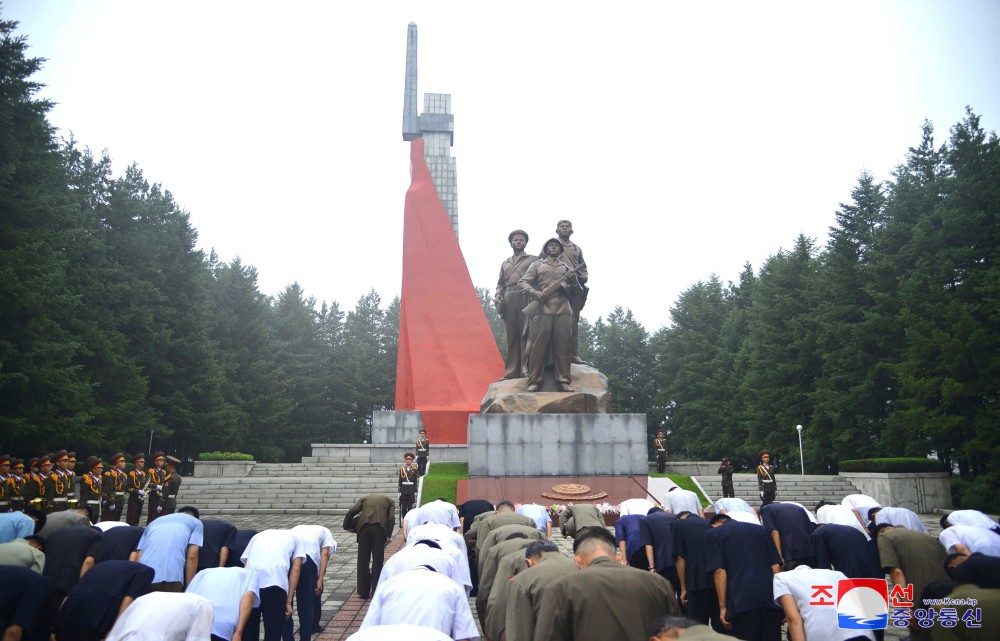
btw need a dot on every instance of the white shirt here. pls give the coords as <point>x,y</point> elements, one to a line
<point>225,588</point>
<point>820,621</point>
<point>412,556</point>
<point>841,515</point>
<point>104,526</point>
<point>812,517</point>
<point>730,505</point>
<point>439,511</point>
<point>314,538</point>
<point>165,616</point>
<point>425,598</point>
<point>972,517</point>
<point>975,538</point>
<point>679,500</point>
<point>440,534</point>
<point>400,631</point>
<point>896,516</point>
<point>744,517</point>
<point>271,553</point>
<point>538,513</point>
<point>860,502</point>
<point>637,506</point>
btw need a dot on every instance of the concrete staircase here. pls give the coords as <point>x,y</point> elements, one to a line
<point>807,490</point>
<point>290,488</point>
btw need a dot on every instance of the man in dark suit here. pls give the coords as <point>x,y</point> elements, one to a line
<point>372,518</point>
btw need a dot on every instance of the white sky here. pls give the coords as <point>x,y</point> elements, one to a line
<point>681,138</point>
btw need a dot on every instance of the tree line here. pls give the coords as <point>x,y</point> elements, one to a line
<point>881,342</point>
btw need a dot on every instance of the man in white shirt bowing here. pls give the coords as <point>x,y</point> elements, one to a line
<point>277,556</point>
<point>424,597</point>
<point>319,545</point>
<point>234,593</point>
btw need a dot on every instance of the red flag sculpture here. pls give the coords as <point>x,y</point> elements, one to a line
<point>447,354</point>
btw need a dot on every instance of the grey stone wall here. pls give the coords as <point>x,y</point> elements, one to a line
<point>557,444</point>
<point>921,492</point>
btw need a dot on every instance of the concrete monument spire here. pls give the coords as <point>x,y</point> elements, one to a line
<point>411,119</point>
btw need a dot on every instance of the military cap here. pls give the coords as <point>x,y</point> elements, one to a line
<point>44,460</point>
<point>4,459</point>
<point>60,455</point>
<point>33,462</point>
<point>141,456</point>
<point>157,455</point>
<point>18,463</point>
<point>763,452</point>
<point>173,460</point>
<point>553,240</point>
<point>118,456</point>
<point>510,236</point>
<point>92,462</point>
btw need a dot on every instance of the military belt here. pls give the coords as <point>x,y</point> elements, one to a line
<point>119,493</point>
<point>60,499</point>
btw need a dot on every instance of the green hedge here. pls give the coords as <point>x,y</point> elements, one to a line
<point>893,465</point>
<point>225,456</point>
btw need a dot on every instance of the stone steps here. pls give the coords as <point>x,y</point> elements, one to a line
<point>807,490</point>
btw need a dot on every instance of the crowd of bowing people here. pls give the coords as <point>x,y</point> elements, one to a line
<point>668,570</point>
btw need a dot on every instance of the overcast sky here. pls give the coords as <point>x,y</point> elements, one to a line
<point>681,138</point>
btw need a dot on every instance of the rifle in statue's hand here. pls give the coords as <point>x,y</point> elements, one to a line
<point>534,306</point>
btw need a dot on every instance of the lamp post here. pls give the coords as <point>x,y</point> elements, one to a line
<point>802,460</point>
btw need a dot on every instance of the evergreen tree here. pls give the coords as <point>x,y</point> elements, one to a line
<point>621,354</point>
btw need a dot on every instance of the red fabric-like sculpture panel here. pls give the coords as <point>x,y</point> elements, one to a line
<point>447,354</point>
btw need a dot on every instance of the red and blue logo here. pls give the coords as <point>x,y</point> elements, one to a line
<point>862,604</point>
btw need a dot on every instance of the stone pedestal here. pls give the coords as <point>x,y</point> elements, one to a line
<point>396,427</point>
<point>557,445</point>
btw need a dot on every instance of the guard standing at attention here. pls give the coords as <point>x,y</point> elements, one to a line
<point>171,485</point>
<point>157,477</point>
<point>660,447</point>
<point>44,495</point>
<point>18,485</point>
<point>726,470</point>
<point>113,489</point>
<point>135,485</point>
<point>59,484</point>
<point>423,452</point>
<point>33,485</point>
<point>5,485</point>
<point>407,487</point>
<point>766,484</point>
<point>90,488</point>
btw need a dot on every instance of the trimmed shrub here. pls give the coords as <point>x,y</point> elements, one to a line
<point>225,456</point>
<point>890,465</point>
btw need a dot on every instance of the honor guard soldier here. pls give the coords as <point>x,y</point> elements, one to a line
<point>171,485</point>
<point>19,486</point>
<point>135,486</point>
<point>660,447</point>
<point>59,484</point>
<point>44,496</point>
<point>767,486</point>
<point>423,452</point>
<point>113,489</point>
<point>33,485</point>
<point>6,487</point>
<point>408,475</point>
<point>90,488</point>
<point>157,477</point>
<point>73,481</point>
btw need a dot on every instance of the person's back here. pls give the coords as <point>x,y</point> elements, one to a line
<point>95,601</point>
<point>635,506</point>
<point>576,517</point>
<point>680,500</point>
<point>970,538</point>
<point>604,600</point>
<point>437,511</point>
<point>525,594</point>
<point>919,556</point>
<point>901,517</point>
<point>795,591</point>
<point>161,616</point>
<point>166,544</point>
<point>120,543</point>
<point>218,539</point>
<point>227,588</point>
<point>67,551</point>
<point>728,505</point>
<point>793,526</point>
<point>847,550</point>
<point>628,537</point>
<point>422,597</point>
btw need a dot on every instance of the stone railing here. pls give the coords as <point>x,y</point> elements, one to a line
<point>210,469</point>
<point>922,492</point>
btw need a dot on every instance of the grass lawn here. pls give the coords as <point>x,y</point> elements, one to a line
<point>442,481</point>
<point>684,482</point>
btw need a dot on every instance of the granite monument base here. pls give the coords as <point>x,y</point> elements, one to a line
<point>557,445</point>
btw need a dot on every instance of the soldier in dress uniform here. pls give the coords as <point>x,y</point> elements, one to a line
<point>767,486</point>
<point>73,480</point>
<point>171,485</point>
<point>157,477</point>
<point>423,452</point>
<point>41,495</point>
<point>660,447</point>
<point>113,489</point>
<point>135,485</point>
<point>90,488</point>
<point>18,485</point>
<point>5,486</point>
<point>59,484</point>
<point>407,487</point>
<point>32,485</point>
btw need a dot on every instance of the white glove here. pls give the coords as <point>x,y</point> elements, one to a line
<point>142,492</point>
<point>159,488</point>
<point>762,494</point>
<point>159,510</point>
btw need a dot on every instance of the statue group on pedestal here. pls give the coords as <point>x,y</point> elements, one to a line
<point>540,298</point>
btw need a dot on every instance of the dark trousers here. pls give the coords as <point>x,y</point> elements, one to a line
<point>151,513</point>
<point>768,498</point>
<point>371,550</point>
<point>406,502</point>
<point>272,611</point>
<point>134,511</point>
<point>79,633</point>
<point>727,491</point>
<point>703,605</point>
<point>422,465</point>
<point>305,601</point>
<point>113,510</point>
<point>762,624</point>
<point>661,462</point>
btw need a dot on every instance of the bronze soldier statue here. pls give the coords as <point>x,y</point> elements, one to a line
<point>510,301</point>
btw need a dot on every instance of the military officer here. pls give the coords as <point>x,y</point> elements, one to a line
<point>43,496</point>
<point>33,485</point>
<point>660,447</point>
<point>90,488</point>
<point>6,488</point>
<point>18,486</point>
<point>407,485</point>
<point>171,485</point>
<point>113,489</point>
<point>157,477</point>
<point>59,483</point>
<point>423,452</point>
<point>70,470</point>
<point>135,486</point>
<point>767,486</point>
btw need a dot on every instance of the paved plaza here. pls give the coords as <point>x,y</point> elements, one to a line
<point>343,611</point>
